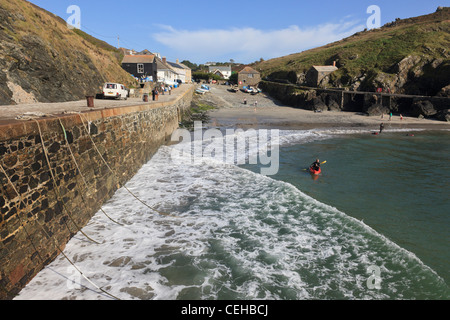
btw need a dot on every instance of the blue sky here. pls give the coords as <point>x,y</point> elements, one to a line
<point>245,31</point>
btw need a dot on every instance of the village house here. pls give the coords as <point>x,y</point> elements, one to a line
<point>184,73</point>
<point>141,66</point>
<point>317,73</point>
<point>248,77</point>
<point>222,71</point>
<point>165,74</point>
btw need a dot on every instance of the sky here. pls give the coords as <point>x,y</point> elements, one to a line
<point>221,31</point>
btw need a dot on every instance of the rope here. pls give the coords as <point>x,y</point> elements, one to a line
<point>116,177</point>
<point>22,219</point>
<point>79,171</point>
<point>54,242</point>
<point>57,188</point>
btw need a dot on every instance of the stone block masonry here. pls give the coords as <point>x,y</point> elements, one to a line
<point>40,210</point>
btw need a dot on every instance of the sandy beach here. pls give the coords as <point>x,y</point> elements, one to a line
<point>261,111</point>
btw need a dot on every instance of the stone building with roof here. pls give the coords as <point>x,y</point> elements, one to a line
<point>248,77</point>
<point>316,74</point>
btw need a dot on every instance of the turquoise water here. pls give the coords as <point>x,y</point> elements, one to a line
<point>374,225</point>
<point>396,183</point>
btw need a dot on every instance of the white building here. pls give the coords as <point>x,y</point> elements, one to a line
<point>165,73</point>
<point>221,71</point>
<point>183,72</point>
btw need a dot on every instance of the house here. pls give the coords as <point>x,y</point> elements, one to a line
<point>183,72</point>
<point>141,66</point>
<point>222,71</point>
<point>165,73</point>
<point>187,72</point>
<point>248,77</point>
<point>316,74</point>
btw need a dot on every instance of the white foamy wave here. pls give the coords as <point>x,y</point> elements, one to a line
<point>232,234</point>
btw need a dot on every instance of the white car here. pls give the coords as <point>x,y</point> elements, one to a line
<point>115,90</point>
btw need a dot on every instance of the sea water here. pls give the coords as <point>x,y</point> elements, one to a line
<point>373,225</point>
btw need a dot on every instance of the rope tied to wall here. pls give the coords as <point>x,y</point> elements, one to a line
<point>79,171</point>
<point>115,175</point>
<point>52,239</point>
<point>58,194</point>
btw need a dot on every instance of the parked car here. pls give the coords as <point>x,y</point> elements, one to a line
<point>115,90</point>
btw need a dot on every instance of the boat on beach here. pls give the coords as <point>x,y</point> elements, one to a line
<point>203,89</point>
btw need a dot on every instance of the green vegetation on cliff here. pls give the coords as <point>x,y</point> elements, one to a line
<point>405,56</point>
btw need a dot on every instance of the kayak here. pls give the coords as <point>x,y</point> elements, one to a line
<point>312,171</point>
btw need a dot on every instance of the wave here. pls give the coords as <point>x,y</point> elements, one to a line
<point>232,234</point>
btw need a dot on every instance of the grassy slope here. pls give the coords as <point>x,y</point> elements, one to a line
<point>373,51</point>
<point>65,42</point>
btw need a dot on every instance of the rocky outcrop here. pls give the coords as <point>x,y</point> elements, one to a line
<point>42,60</point>
<point>415,75</point>
<point>443,115</point>
<point>423,108</point>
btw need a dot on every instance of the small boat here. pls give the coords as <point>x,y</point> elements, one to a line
<point>234,89</point>
<point>200,91</point>
<point>315,172</point>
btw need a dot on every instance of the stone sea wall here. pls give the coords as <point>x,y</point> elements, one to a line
<point>370,103</point>
<point>91,155</point>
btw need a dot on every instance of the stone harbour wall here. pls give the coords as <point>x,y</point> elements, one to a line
<point>41,211</point>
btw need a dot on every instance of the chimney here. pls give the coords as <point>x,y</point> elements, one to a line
<point>334,63</point>
<point>164,59</point>
<point>178,61</point>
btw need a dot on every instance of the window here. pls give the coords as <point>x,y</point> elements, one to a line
<point>250,75</point>
<point>140,68</point>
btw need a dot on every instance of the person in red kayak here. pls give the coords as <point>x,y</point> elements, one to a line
<point>315,165</point>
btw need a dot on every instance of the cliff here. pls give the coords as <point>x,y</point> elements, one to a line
<point>407,56</point>
<point>42,60</point>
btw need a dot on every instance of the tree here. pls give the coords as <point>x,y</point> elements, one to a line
<point>234,77</point>
<point>192,66</point>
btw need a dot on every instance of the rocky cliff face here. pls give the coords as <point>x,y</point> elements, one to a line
<point>414,75</point>
<point>42,60</point>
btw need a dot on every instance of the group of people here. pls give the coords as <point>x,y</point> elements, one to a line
<point>157,90</point>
